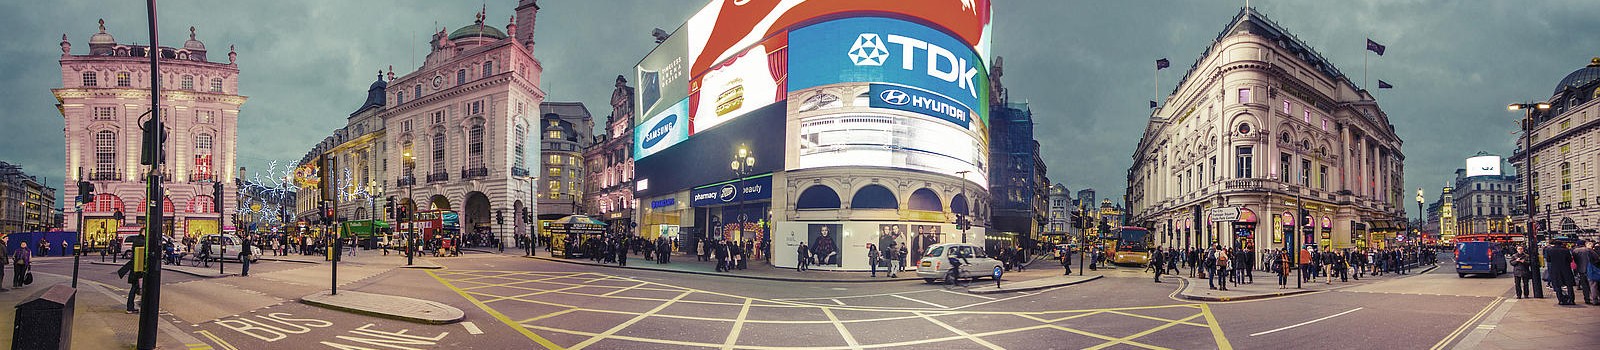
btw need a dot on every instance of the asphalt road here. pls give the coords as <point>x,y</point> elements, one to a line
<point>513,302</point>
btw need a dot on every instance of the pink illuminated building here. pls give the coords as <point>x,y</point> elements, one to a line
<point>103,98</point>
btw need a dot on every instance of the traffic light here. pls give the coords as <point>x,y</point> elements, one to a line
<point>216,196</point>
<point>154,136</point>
<point>499,217</point>
<point>85,192</point>
<point>388,208</point>
<point>961,222</point>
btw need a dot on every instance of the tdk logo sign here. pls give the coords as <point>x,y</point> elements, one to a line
<point>868,50</point>
<point>895,97</point>
<point>660,130</point>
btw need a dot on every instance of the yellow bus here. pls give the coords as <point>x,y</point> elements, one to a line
<point>1133,247</point>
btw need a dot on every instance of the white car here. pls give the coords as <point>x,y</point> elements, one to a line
<point>229,245</point>
<point>974,263</point>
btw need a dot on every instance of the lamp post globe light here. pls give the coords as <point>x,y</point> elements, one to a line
<point>1527,186</point>
<point>743,161</point>
<point>1421,215</point>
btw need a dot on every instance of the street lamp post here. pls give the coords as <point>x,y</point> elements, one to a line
<point>532,224</point>
<point>742,162</point>
<point>1527,186</point>
<point>411,226</point>
<point>964,227</point>
<point>1421,216</point>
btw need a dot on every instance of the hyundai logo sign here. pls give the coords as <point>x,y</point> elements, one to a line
<point>894,97</point>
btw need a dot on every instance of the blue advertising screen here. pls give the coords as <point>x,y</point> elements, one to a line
<point>662,130</point>
<point>884,50</point>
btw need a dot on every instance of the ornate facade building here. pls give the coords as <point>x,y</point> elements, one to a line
<point>352,164</point>
<point>1563,157</point>
<point>104,97</point>
<point>610,163</point>
<point>26,204</point>
<point>461,124</point>
<point>1484,203</point>
<point>566,132</point>
<point>1260,127</point>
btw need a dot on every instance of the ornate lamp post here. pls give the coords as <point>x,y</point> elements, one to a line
<point>743,161</point>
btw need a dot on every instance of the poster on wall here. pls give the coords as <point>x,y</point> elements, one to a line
<point>824,243</point>
<point>923,64</point>
<point>893,236</point>
<point>663,76</point>
<point>924,236</point>
<point>749,81</point>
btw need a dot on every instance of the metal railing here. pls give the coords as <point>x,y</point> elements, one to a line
<point>439,177</point>
<point>113,175</point>
<point>473,173</point>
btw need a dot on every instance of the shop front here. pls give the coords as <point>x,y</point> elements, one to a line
<point>735,211</point>
<point>1244,229</point>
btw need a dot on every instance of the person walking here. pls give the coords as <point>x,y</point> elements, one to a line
<point>802,257</point>
<point>245,251</point>
<point>1066,261</point>
<point>622,255</point>
<point>1585,258</point>
<point>721,253</point>
<point>4,258</point>
<point>21,260</point>
<point>872,258</point>
<point>1158,260</point>
<point>1282,267</point>
<point>1560,268</point>
<point>1521,276</point>
<point>897,258</point>
<point>1222,268</point>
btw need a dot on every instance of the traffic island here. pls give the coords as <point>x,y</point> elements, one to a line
<point>989,287</point>
<point>387,306</point>
<point>755,270</point>
<point>197,271</point>
<point>1194,289</point>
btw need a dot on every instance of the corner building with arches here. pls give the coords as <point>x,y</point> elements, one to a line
<point>104,95</point>
<point>1261,126</point>
<point>838,125</point>
<point>458,128</point>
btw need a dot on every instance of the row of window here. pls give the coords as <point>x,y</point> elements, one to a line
<point>123,79</point>
<point>105,154</point>
<point>461,78</point>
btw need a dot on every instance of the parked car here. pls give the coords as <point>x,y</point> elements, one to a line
<point>229,245</point>
<point>974,263</point>
<point>1480,258</point>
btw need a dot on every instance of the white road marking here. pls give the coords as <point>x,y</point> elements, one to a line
<point>967,294</point>
<point>472,328</point>
<point>1307,322</point>
<point>836,301</point>
<point>924,302</point>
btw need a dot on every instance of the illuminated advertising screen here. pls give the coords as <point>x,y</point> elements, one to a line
<point>751,80</point>
<point>662,130</point>
<point>662,77</point>
<point>1483,165</point>
<point>873,49</point>
<point>724,28</point>
<point>841,125</point>
<point>704,157</point>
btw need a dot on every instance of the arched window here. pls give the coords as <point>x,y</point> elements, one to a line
<point>123,80</point>
<point>817,197</point>
<point>519,148</point>
<point>400,97</point>
<point>925,199</point>
<point>874,197</point>
<point>105,155</point>
<point>488,68</point>
<point>475,146</point>
<point>90,79</point>
<point>958,204</point>
<point>438,153</point>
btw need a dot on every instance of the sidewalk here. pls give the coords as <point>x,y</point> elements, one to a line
<point>1534,324</point>
<point>755,270</point>
<point>1266,286</point>
<point>99,321</point>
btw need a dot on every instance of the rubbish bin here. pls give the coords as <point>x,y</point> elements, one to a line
<point>44,321</point>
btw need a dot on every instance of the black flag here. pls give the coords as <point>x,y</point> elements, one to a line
<point>1163,64</point>
<point>1384,84</point>
<point>1374,47</point>
<point>1152,104</point>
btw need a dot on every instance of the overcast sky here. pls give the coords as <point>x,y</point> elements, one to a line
<point>1083,66</point>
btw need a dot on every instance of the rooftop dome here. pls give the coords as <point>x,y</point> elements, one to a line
<point>477,30</point>
<point>192,44</point>
<point>102,37</point>
<point>1581,77</point>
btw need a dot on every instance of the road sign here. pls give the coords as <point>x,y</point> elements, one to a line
<point>1228,214</point>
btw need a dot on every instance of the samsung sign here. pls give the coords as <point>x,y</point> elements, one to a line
<point>883,50</point>
<point>662,130</point>
<point>732,192</point>
<point>921,102</point>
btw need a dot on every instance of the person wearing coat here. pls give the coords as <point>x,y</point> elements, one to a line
<point>1521,276</point>
<point>872,258</point>
<point>4,258</point>
<point>1561,274</point>
<point>1586,257</point>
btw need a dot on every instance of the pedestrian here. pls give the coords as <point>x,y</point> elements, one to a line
<point>1282,268</point>
<point>872,258</point>
<point>1222,268</point>
<point>721,252</point>
<point>1158,260</point>
<point>1585,258</point>
<point>4,258</point>
<point>1521,276</point>
<point>622,256</point>
<point>1561,274</point>
<point>245,251</point>
<point>1340,267</point>
<point>897,259</point>
<point>700,250</point>
<point>744,253</point>
<point>802,257</point>
<point>20,260</point>
<point>1066,261</point>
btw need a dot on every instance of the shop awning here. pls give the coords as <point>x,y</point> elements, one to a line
<point>1382,225</point>
<point>1246,216</point>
